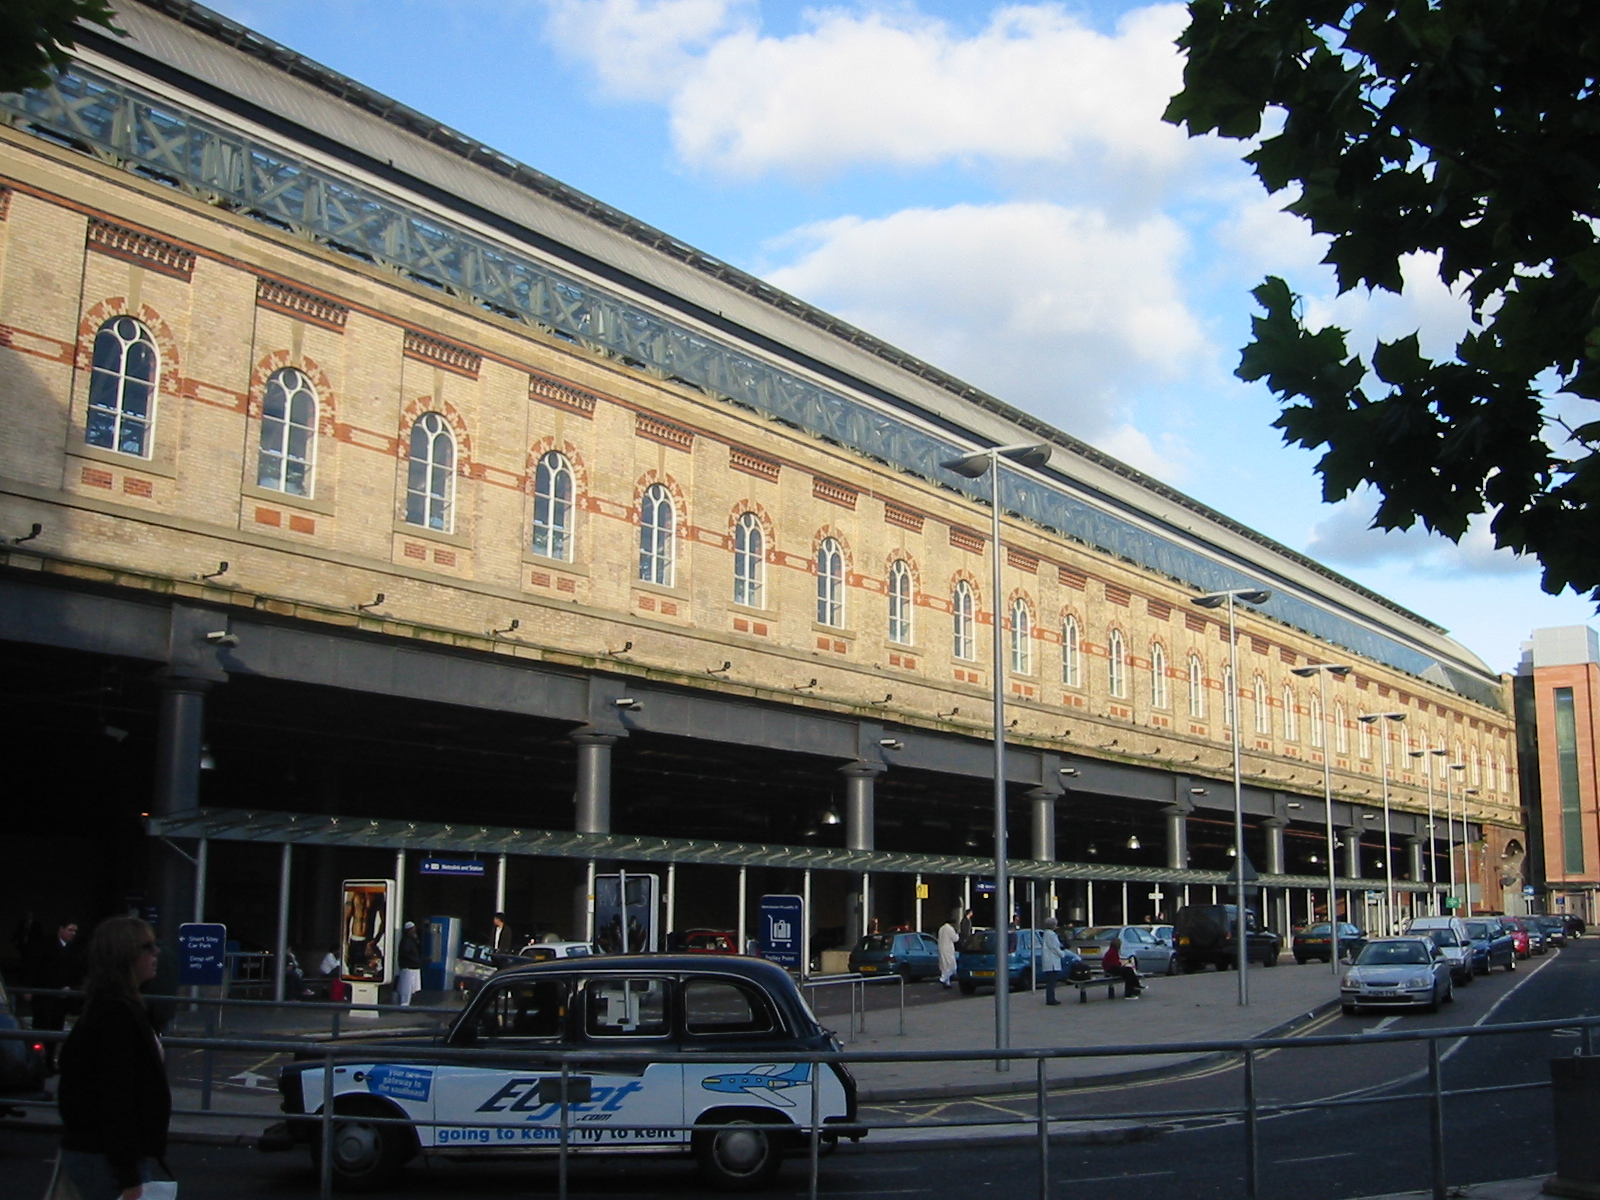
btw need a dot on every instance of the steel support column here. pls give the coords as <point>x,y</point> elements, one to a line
<point>180,737</point>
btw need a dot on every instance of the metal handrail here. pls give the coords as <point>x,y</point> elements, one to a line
<point>1249,1049</point>
<point>857,978</point>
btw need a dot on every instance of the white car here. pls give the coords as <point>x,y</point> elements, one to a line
<point>738,1107</point>
<point>1450,935</point>
<point>1400,972</point>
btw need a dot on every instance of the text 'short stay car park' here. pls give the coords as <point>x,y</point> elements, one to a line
<point>739,1110</point>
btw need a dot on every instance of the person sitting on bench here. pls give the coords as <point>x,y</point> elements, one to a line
<point>1111,963</point>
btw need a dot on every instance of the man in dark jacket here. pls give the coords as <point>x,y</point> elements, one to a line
<point>55,965</point>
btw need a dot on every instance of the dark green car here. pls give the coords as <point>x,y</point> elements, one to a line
<point>909,955</point>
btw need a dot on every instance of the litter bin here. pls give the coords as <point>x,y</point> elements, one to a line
<point>1575,1091</point>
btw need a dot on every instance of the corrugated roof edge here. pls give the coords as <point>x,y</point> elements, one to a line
<point>248,41</point>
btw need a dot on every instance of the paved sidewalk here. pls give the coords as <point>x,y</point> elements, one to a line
<point>1503,1189</point>
<point>1179,1008</point>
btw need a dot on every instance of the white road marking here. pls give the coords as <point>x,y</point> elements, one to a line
<point>1110,1178</point>
<point>250,1079</point>
<point>1381,1025</point>
<point>1284,1162</point>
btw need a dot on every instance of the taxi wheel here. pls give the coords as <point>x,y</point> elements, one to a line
<point>366,1155</point>
<point>740,1156</point>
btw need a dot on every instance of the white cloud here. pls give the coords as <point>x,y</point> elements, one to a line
<point>893,87</point>
<point>1057,310</point>
<point>1168,462</point>
<point>643,49</point>
<point>1346,539</point>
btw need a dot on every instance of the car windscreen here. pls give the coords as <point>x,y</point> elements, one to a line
<point>1100,933</point>
<point>1318,930</point>
<point>1385,954</point>
<point>982,942</point>
<point>874,941</point>
<point>1480,929</point>
<point>1443,937</point>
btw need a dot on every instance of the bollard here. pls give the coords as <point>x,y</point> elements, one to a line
<point>1575,1092</point>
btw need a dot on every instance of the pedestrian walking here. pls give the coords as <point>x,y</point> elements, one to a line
<point>55,966</point>
<point>1050,952</point>
<point>114,1100</point>
<point>410,979</point>
<point>947,953</point>
<point>1111,963</point>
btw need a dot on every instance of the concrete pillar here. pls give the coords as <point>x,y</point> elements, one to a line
<point>859,787</point>
<point>1413,845</point>
<point>1044,823</point>
<point>1276,900</point>
<point>593,795</point>
<point>1352,851</point>
<point>1177,835</point>
<point>180,734</point>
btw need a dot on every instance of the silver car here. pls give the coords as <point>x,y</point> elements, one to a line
<point>1398,972</point>
<point>1140,947</point>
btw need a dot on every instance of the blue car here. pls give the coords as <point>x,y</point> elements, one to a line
<point>975,959</point>
<point>909,955</point>
<point>1492,945</point>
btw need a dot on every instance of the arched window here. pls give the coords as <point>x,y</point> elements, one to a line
<point>962,616</point>
<point>1459,757</point>
<point>1424,762</point>
<point>1291,718</point>
<point>1263,707</point>
<point>1363,737</point>
<point>1314,721</point>
<point>1230,697</point>
<point>830,583</point>
<point>657,535</point>
<point>431,481</point>
<point>122,388</point>
<point>900,602</point>
<point>1341,728</point>
<point>1021,637</point>
<point>749,560</point>
<point>1071,653</point>
<point>1405,745</point>
<point>1116,665</point>
<point>287,461</point>
<point>1477,768</point>
<point>1497,779</point>
<point>1197,687</point>
<point>1158,675</point>
<point>553,490</point>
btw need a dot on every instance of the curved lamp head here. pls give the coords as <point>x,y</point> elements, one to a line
<point>1025,454</point>
<point>1243,595</point>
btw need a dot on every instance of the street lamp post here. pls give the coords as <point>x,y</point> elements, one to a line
<point>1388,839</point>
<point>1251,595</point>
<point>1433,865</point>
<point>1466,846</point>
<point>974,466</point>
<point>1450,826</point>
<point>1322,671</point>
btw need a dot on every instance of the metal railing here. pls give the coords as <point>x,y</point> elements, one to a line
<point>858,996</point>
<point>567,1065</point>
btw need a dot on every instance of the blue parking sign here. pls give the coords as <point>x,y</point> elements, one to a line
<point>783,926</point>
<point>202,954</point>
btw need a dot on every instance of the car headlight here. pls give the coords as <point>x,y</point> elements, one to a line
<point>1418,981</point>
<point>1349,981</point>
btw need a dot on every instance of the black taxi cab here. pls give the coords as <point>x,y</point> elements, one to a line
<point>738,1106</point>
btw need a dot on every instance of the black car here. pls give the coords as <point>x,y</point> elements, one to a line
<point>1576,926</point>
<point>1204,935</point>
<point>1553,928</point>
<point>744,1100</point>
<point>1312,942</point>
<point>21,1059</point>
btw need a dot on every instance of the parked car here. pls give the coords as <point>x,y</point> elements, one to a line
<point>21,1059</point>
<point>909,955</point>
<point>1492,945</point>
<point>744,1102</point>
<point>1162,933</point>
<point>975,959</point>
<point>1313,942</point>
<point>1450,935</point>
<point>1576,925</point>
<point>1553,928</point>
<point>703,941</point>
<point>1519,935</point>
<point>1205,936</point>
<point>1399,972</point>
<point>537,952</point>
<point>1140,947</point>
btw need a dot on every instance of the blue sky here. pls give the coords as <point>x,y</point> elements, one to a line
<point>988,186</point>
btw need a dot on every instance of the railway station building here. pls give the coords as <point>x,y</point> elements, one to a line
<point>368,496</point>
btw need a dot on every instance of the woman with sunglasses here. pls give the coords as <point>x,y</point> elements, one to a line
<point>115,1102</point>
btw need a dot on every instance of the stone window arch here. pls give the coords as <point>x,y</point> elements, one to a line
<point>431,474</point>
<point>122,388</point>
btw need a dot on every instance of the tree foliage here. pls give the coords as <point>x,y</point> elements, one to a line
<point>1466,129</point>
<point>35,35</point>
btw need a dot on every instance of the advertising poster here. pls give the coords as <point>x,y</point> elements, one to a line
<point>368,942</point>
<point>629,928</point>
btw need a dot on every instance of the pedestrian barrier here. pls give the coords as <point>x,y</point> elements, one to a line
<point>1249,1111</point>
<point>858,996</point>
